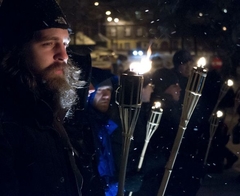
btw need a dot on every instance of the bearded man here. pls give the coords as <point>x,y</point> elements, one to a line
<point>37,84</point>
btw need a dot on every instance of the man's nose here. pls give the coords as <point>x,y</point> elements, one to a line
<point>61,53</point>
<point>106,95</point>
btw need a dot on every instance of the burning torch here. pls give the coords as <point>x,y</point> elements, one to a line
<point>152,125</point>
<point>192,94</point>
<point>213,127</point>
<point>129,103</point>
<point>224,89</point>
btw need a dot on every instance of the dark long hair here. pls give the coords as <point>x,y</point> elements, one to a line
<point>15,71</point>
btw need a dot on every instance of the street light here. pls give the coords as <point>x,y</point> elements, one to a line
<point>108,13</point>
<point>109,19</point>
<point>96,3</point>
<point>116,20</point>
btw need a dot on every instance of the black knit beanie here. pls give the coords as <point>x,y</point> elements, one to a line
<point>181,57</point>
<point>19,19</point>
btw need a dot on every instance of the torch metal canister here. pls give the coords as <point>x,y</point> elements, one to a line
<point>131,85</point>
<point>128,98</point>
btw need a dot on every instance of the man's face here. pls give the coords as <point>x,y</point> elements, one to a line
<point>185,69</point>
<point>47,59</point>
<point>102,98</point>
<point>49,56</point>
<point>174,90</point>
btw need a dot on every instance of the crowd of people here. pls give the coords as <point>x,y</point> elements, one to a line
<point>60,129</point>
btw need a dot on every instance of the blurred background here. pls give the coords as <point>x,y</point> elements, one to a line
<point>111,28</point>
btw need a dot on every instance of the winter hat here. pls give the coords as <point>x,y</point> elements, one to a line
<point>102,77</point>
<point>19,19</point>
<point>181,57</point>
<point>162,79</point>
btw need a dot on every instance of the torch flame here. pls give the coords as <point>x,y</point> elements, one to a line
<point>201,62</point>
<point>219,113</point>
<point>229,82</point>
<point>157,104</point>
<point>149,52</point>
<point>144,66</point>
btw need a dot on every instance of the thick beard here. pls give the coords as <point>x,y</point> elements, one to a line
<point>64,86</point>
<point>59,91</point>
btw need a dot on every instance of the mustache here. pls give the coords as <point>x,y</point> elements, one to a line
<point>45,74</point>
<point>55,66</point>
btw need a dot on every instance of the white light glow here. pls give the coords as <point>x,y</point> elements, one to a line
<point>141,67</point>
<point>229,82</point>
<point>224,28</point>
<point>157,104</point>
<point>116,20</point>
<point>109,19</point>
<point>219,114</point>
<point>96,3</point>
<point>201,62</point>
<point>144,66</point>
<point>225,10</point>
<point>135,53</point>
<point>140,53</point>
<point>108,13</point>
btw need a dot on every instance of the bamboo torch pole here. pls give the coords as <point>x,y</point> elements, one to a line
<point>192,94</point>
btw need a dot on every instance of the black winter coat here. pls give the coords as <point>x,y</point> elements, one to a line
<point>36,157</point>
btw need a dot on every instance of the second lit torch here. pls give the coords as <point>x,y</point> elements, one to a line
<point>152,125</point>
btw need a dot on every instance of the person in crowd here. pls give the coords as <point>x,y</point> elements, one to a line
<point>157,62</point>
<point>166,89</point>
<point>183,63</point>
<point>37,86</point>
<point>120,65</point>
<point>96,135</point>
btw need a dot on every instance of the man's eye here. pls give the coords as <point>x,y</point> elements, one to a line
<point>47,44</point>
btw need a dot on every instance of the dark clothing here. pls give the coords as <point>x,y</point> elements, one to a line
<point>97,140</point>
<point>236,133</point>
<point>183,84</point>
<point>36,157</point>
